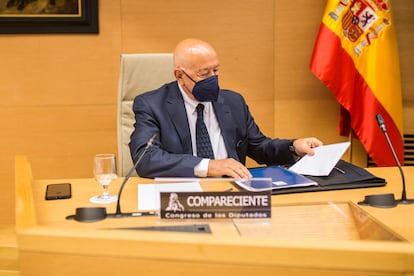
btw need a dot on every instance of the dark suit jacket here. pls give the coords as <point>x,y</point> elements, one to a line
<point>162,112</point>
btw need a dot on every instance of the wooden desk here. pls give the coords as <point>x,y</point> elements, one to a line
<point>51,245</point>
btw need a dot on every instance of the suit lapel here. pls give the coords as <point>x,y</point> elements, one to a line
<point>227,126</point>
<point>175,108</point>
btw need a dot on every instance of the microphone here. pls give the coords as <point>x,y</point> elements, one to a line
<point>388,200</point>
<point>118,212</point>
<point>92,214</point>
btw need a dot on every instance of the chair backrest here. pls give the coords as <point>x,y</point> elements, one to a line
<point>138,73</point>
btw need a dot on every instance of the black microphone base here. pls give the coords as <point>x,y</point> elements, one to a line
<point>384,201</point>
<point>405,201</point>
<point>92,214</point>
<point>88,214</point>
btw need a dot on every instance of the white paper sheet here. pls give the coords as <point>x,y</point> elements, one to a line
<point>324,160</point>
<point>149,194</point>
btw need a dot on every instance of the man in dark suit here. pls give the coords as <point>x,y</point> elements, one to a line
<point>170,112</point>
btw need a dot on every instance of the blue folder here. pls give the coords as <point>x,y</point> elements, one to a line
<point>281,179</point>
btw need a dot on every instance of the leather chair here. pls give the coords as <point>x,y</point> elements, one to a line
<point>138,73</point>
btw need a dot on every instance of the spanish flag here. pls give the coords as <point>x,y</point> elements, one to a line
<point>356,56</point>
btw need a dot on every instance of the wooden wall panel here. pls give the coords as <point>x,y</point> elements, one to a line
<point>303,105</point>
<point>241,33</point>
<point>57,101</point>
<point>404,21</point>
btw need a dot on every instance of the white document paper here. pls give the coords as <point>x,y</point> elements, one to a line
<point>324,160</point>
<point>149,194</point>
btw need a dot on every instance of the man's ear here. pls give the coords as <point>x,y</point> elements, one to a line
<point>178,73</point>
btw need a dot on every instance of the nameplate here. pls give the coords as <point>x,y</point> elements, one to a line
<point>215,205</point>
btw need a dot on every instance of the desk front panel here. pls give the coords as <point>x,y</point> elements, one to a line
<point>285,244</point>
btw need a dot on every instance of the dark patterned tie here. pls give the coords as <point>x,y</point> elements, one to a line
<point>204,148</point>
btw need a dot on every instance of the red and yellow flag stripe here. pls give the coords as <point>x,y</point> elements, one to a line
<point>356,56</point>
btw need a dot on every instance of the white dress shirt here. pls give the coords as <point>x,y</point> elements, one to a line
<point>214,131</point>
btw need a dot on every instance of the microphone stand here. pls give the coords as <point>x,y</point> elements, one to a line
<point>403,199</point>
<point>92,214</point>
<point>118,213</point>
<point>388,200</point>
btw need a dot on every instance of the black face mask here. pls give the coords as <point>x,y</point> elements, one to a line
<point>206,90</point>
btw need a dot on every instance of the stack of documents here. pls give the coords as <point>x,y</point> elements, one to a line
<point>321,172</point>
<point>323,162</point>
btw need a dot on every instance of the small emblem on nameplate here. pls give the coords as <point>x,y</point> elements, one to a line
<point>215,205</point>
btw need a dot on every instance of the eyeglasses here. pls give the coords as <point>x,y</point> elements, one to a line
<point>203,73</point>
<point>206,72</point>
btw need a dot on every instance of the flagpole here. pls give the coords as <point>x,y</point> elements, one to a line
<point>350,148</point>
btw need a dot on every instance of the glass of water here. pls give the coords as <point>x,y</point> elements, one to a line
<point>104,171</point>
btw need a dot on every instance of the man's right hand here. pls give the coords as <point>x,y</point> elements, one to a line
<point>228,167</point>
